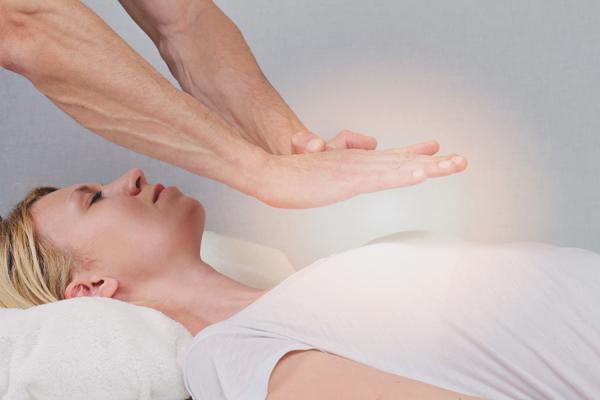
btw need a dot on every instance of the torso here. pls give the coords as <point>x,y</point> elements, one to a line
<point>458,315</point>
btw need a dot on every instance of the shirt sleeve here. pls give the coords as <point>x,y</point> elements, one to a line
<point>235,365</point>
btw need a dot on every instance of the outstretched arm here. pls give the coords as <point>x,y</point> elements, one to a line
<point>87,70</point>
<point>315,375</point>
<point>210,59</point>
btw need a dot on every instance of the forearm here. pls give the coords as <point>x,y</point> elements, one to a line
<point>209,57</point>
<point>82,66</point>
<point>87,70</point>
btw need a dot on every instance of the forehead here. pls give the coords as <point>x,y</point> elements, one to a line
<point>51,202</point>
<point>56,212</point>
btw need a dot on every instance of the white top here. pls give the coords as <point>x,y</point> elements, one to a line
<point>512,321</point>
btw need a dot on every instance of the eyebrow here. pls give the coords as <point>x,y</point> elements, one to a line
<point>82,188</point>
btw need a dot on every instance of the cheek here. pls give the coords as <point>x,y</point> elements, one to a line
<point>135,239</point>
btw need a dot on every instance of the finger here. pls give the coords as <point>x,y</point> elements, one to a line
<point>304,143</point>
<point>426,148</point>
<point>435,166</point>
<point>351,140</point>
<point>461,163</point>
<point>444,166</point>
<point>412,170</point>
<point>390,181</point>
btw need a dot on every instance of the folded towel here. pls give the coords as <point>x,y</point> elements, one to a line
<point>91,348</point>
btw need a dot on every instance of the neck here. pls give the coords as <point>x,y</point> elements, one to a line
<point>197,296</point>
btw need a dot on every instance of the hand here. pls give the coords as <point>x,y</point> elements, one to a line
<point>324,178</point>
<point>304,142</point>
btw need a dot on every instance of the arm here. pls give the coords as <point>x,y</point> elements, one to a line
<point>87,70</point>
<point>210,59</point>
<point>312,374</point>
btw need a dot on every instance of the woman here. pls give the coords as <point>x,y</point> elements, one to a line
<point>354,326</point>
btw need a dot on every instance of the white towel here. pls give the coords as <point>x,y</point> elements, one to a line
<point>91,348</point>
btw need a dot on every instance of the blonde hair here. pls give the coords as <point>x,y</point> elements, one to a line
<point>33,271</point>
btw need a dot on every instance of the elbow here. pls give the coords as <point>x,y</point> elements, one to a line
<point>9,26</point>
<point>5,11</point>
<point>6,57</point>
<point>17,26</point>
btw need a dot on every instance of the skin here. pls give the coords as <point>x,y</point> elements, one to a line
<point>132,247</point>
<point>239,135</point>
<point>207,54</point>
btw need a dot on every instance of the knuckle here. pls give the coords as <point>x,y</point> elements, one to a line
<point>408,156</point>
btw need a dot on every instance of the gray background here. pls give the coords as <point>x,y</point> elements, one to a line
<point>513,85</point>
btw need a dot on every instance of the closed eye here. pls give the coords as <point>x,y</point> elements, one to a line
<point>96,197</point>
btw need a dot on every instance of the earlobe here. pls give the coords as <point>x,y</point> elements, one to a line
<point>97,287</point>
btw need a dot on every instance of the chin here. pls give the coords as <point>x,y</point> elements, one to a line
<point>194,220</point>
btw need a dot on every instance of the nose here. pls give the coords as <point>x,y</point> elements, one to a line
<point>131,182</point>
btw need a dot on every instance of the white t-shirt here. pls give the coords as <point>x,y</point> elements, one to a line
<point>512,321</point>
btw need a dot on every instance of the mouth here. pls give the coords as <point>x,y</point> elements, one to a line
<point>157,189</point>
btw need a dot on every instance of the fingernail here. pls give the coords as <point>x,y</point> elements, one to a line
<point>445,164</point>
<point>313,145</point>
<point>418,173</point>
<point>458,160</point>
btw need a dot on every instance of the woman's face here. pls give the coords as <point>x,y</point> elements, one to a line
<point>131,230</point>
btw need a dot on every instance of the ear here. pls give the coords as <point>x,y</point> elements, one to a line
<point>95,287</point>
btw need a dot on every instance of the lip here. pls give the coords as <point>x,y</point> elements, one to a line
<point>163,192</point>
<point>158,189</point>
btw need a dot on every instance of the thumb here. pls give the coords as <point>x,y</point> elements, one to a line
<point>304,142</point>
<point>351,140</point>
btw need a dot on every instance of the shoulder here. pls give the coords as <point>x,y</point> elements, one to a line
<point>235,363</point>
<point>312,374</point>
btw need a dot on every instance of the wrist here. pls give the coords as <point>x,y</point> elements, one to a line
<point>239,165</point>
<point>277,129</point>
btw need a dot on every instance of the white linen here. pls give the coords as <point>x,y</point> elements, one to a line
<point>512,321</point>
<point>252,264</point>
<point>91,348</point>
<point>94,348</point>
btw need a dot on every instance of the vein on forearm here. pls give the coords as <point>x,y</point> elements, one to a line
<point>87,70</point>
<point>211,60</point>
